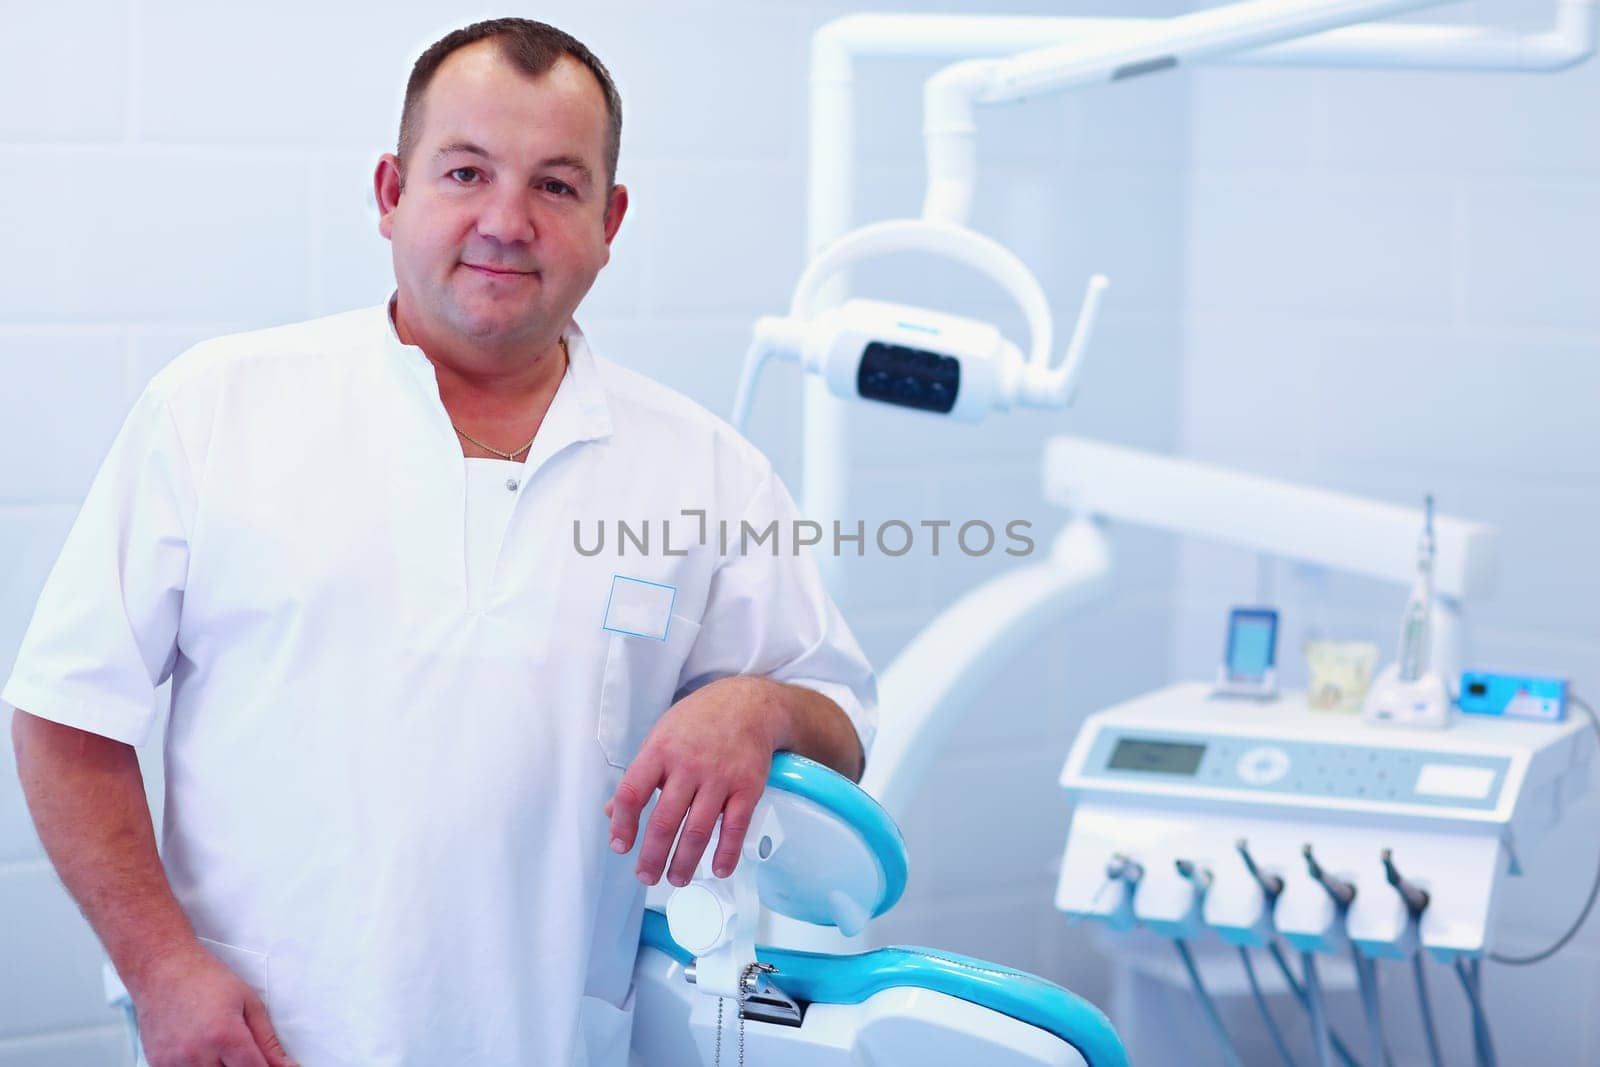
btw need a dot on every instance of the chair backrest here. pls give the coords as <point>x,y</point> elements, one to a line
<point>840,861</point>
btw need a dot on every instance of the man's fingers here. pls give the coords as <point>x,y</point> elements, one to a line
<point>661,829</point>
<point>697,829</point>
<point>741,808</point>
<point>266,1038</point>
<point>242,1053</point>
<point>639,781</point>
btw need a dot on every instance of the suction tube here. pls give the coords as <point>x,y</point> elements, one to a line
<point>1230,1055</point>
<point>1425,1006</point>
<point>1261,1006</point>
<point>1482,1043</point>
<point>1300,994</point>
<point>1320,1036</point>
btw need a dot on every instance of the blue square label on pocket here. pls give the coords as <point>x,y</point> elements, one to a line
<point>639,608</point>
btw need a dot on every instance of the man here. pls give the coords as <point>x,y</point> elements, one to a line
<point>402,702</point>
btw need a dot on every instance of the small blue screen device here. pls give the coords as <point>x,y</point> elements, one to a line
<point>1249,664</point>
<point>1514,696</point>
<point>1252,643</point>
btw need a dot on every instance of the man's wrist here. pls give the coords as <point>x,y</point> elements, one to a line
<point>151,964</point>
<point>772,706</point>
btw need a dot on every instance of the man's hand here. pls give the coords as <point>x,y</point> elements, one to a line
<point>194,1012</point>
<point>709,755</point>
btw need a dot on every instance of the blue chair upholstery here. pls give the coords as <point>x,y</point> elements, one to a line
<point>815,978</point>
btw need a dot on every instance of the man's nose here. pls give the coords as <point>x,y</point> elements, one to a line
<point>508,219</point>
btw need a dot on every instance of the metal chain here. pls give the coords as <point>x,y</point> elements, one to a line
<point>746,987</point>
<point>491,448</point>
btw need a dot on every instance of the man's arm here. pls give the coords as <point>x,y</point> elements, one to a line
<point>710,755</point>
<point>86,795</point>
<point>813,726</point>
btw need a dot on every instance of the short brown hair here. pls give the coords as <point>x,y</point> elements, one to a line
<point>533,48</point>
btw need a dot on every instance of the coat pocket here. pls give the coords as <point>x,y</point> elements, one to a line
<point>252,967</point>
<point>639,683</point>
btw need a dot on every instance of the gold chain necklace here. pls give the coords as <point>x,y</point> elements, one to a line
<point>524,448</point>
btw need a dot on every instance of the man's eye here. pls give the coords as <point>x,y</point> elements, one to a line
<point>464,174</point>
<point>553,186</point>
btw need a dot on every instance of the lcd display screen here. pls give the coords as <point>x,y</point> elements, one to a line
<point>1250,645</point>
<point>1156,757</point>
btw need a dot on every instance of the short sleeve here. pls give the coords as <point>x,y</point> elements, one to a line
<point>768,613</point>
<point>104,632</point>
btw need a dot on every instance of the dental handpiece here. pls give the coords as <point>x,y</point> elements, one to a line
<point>1124,869</point>
<point>1416,630</point>
<point>1341,891</point>
<point>1271,885</point>
<point>1195,875</point>
<point>1415,896</point>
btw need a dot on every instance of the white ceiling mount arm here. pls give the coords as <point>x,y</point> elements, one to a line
<point>1574,38</point>
<point>950,139</point>
<point>950,96</point>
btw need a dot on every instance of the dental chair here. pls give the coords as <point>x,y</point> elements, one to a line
<point>820,850</point>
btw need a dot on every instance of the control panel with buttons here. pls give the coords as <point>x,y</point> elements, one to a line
<point>1296,767</point>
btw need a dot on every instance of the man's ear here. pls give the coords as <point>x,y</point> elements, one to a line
<point>386,187</point>
<point>616,207</point>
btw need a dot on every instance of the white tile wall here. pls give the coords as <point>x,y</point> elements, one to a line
<point>30,538</point>
<point>1530,250</point>
<point>103,234</point>
<point>42,41</point>
<point>106,1044</point>
<point>58,985</point>
<point>75,400</point>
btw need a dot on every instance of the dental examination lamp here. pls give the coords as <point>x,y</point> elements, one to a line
<point>913,357</point>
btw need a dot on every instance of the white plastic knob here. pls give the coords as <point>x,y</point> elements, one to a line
<point>700,918</point>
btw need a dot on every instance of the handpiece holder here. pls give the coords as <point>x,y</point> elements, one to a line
<point>1415,897</point>
<point>914,357</point>
<point>1124,872</point>
<point>1271,885</point>
<point>1241,909</point>
<point>1389,925</point>
<point>1409,692</point>
<point>1342,893</point>
<point>1313,912</point>
<point>818,849</point>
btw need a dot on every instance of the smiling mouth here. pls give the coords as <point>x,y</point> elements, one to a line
<point>499,273</point>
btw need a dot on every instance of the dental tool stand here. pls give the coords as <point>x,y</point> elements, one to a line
<point>1382,842</point>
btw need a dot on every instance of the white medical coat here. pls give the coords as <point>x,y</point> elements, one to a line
<point>393,729</point>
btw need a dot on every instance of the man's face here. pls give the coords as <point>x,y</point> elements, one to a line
<point>504,217</point>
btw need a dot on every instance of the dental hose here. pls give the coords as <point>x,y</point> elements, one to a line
<point>1321,1037</point>
<point>1300,994</point>
<point>1367,982</point>
<point>1261,1006</point>
<point>1230,1055</point>
<point>1482,1043</point>
<point>1426,1007</point>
